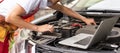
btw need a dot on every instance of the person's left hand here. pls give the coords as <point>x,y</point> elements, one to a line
<point>90,21</point>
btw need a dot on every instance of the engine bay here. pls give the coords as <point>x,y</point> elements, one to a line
<point>66,27</point>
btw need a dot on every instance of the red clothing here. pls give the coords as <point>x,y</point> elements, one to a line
<point>4,45</point>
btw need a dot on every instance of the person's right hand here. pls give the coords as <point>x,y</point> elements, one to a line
<point>89,21</point>
<point>44,28</point>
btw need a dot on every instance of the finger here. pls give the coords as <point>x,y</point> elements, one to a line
<point>89,23</point>
<point>51,29</point>
<point>94,23</point>
<point>48,29</point>
<point>50,26</point>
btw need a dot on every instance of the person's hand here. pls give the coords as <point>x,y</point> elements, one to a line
<point>44,28</point>
<point>90,21</point>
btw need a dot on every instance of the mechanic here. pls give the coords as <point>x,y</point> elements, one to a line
<point>14,12</point>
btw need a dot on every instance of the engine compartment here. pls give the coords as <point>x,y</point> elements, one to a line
<point>66,27</point>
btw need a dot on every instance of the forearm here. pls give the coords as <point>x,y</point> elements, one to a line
<point>68,12</point>
<point>72,13</point>
<point>18,21</point>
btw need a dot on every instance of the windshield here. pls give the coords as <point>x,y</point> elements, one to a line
<point>100,5</point>
<point>79,4</point>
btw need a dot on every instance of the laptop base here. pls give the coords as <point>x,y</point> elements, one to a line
<point>57,48</point>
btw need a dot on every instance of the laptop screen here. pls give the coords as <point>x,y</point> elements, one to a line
<point>104,29</point>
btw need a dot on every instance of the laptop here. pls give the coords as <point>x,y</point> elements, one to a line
<point>85,40</point>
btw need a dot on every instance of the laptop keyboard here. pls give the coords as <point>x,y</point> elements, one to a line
<point>88,31</point>
<point>84,41</point>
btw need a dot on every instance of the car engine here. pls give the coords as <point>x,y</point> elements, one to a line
<point>65,27</point>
